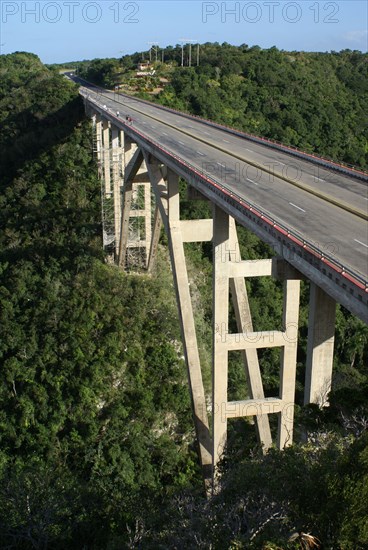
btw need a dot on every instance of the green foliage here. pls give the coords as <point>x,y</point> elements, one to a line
<point>296,98</point>
<point>104,72</point>
<point>95,415</point>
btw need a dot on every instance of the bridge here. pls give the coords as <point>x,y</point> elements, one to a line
<point>311,211</point>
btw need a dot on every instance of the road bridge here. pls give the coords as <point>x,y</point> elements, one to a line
<point>311,211</point>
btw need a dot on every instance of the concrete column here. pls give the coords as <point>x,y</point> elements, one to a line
<point>168,205</point>
<point>187,325</point>
<point>98,137</point>
<point>220,286</point>
<point>106,156</point>
<point>157,224</point>
<point>147,220</point>
<point>288,362</point>
<point>116,186</point>
<point>320,348</point>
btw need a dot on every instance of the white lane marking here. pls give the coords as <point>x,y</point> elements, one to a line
<point>279,162</point>
<point>199,153</point>
<point>320,179</point>
<point>226,141</point>
<point>295,206</point>
<point>360,242</point>
<point>144,122</point>
<point>250,150</point>
<point>153,127</point>
<point>181,143</point>
<point>206,133</point>
<point>251,181</point>
<point>165,134</point>
<point>219,163</point>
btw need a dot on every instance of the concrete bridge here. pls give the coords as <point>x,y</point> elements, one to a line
<point>312,212</point>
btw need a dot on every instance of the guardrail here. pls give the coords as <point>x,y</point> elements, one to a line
<point>346,272</point>
<point>345,168</point>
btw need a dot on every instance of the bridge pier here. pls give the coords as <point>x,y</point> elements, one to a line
<point>130,176</point>
<point>320,346</point>
<point>106,156</point>
<point>229,272</point>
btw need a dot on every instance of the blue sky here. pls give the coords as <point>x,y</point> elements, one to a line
<point>64,30</point>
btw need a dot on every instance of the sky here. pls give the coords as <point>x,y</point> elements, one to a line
<point>73,30</point>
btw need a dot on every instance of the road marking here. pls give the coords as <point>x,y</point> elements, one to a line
<point>295,206</point>
<point>226,141</point>
<point>222,165</point>
<point>153,127</point>
<point>251,181</point>
<point>320,179</point>
<point>181,143</point>
<point>144,122</point>
<point>206,133</point>
<point>360,242</point>
<point>199,153</point>
<point>165,134</point>
<point>250,150</point>
<point>279,162</point>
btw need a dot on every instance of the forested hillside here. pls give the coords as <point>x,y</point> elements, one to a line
<point>92,437</point>
<point>97,447</point>
<point>314,101</point>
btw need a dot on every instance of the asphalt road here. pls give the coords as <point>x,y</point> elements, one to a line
<point>230,158</point>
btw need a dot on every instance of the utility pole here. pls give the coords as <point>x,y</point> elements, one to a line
<point>155,46</point>
<point>182,51</point>
<point>190,42</point>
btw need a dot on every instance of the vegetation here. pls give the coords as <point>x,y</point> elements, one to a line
<point>96,441</point>
<point>92,434</point>
<point>313,101</point>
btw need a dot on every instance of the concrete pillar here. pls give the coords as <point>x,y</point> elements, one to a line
<point>116,185</point>
<point>288,362</point>
<point>106,156</point>
<point>98,137</point>
<point>157,224</point>
<point>167,201</point>
<point>320,347</point>
<point>187,325</point>
<point>220,286</point>
<point>147,220</point>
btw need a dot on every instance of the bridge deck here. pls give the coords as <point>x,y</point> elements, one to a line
<point>326,208</point>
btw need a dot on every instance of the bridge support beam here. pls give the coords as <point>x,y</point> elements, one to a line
<point>320,347</point>
<point>167,200</point>
<point>229,272</point>
<point>106,156</point>
<point>98,138</point>
<point>116,179</point>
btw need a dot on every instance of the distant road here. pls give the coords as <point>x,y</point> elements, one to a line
<point>327,208</point>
